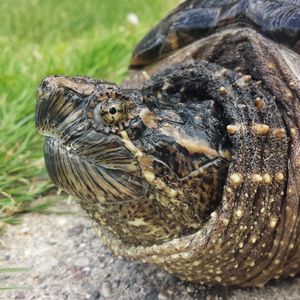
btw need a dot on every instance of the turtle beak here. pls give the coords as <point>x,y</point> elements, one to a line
<point>60,108</point>
<point>49,106</point>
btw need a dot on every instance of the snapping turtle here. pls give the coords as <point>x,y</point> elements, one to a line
<point>193,163</point>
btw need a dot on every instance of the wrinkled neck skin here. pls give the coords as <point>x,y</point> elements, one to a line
<point>155,174</point>
<point>199,152</point>
<point>195,151</point>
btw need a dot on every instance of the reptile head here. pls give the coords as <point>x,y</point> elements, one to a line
<point>145,170</point>
<point>152,165</point>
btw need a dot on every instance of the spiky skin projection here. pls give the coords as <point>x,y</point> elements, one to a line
<point>193,164</point>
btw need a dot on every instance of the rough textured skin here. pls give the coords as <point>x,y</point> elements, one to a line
<point>193,164</point>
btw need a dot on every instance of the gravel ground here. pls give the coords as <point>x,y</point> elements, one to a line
<point>65,260</point>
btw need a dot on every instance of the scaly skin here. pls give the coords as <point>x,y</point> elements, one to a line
<point>193,164</point>
<point>147,212</point>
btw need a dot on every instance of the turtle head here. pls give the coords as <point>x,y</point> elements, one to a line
<point>130,160</point>
<point>84,123</point>
<point>87,118</point>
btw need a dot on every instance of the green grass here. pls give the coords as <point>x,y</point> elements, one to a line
<point>7,271</point>
<point>43,37</point>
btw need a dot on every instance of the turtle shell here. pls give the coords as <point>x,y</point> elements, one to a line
<point>196,19</point>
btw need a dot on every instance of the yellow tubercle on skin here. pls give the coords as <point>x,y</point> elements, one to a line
<point>247,78</point>
<point>159,184</point>
<point>273,222</point>
<point>172,192</point>
<point>279,176</point>
<point>267,178</point>
<point>289,94</point>
<point>271,65</point>
<point>213,215</point>
<point>259,103</point>
<point>244,81</point>
<point>293,131</point>
<point>279,133</point>
<point>261,129</point>
<point>256,178</point>
<point>239,213</point>
<point>225,222</point>
<point>222,91</point>
<point>251,263</point>
<point>235,179</point>
<point>232,129</point>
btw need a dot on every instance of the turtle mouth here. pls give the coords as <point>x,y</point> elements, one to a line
<point>74,152</point>
<point>95,177</point>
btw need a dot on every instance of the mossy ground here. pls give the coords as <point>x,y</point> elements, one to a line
<point>46,37</point>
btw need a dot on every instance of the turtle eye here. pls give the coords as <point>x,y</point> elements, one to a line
<point>111,111</point>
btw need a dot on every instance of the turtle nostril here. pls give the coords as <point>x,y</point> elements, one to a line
<point>45,89</point>
<point>49,87</point>
<point>44,84</point>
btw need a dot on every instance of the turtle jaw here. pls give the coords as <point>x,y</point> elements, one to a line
<point>72,168</point>
<point>61,108</point>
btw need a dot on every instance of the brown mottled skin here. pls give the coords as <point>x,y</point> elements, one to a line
<point>193,164</point>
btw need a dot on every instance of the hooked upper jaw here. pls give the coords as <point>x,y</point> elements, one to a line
<point>65,100</point>
<point>60,108</point>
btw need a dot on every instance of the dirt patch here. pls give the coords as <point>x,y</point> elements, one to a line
<point>65,260</point>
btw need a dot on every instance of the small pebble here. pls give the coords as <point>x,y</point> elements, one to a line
<point>51,242</point>
<point>81,262</point>
<point>173,280</point>
<point>87,270</point>
<point>170,291</point>
<point>106,289</point>
<point>75,231</point>
<point>119,264</point>
<point>19,296</point>
<point>47,263</point>
<point>163,296</point>
<point>161,275</point>
<point>152,295</point>
<point>95,295</point>
<point>95,243</point>
<point>62,222</point>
